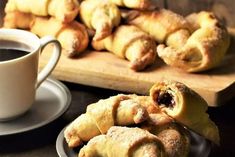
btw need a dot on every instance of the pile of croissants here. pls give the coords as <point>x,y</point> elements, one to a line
<point>155,125</point>
<point>135,30</point>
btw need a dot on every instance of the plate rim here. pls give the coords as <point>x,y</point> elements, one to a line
<point>60,144</point>
<point>63,88</point>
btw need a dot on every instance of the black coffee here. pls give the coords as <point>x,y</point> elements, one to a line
<point>12,50</point>
<point>8,54</point>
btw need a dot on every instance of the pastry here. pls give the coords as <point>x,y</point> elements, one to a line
<point>102,16</point>
<point>175,138</point>
<point>73,36</point>
<point>136,4</point>
<point>124,142</point>
<point>204,49</point>
<point>131,43</point>
<point>120,110</point>
<point>186,107</point>
<point>63,10</point>
<point>160,24</point>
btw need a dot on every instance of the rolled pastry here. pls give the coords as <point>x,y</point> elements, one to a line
<point>73,36</point>
<point>160,24</point>
<point>120,110</point>
<point>175,137</point>
<point>204,49</point>
<point>102,16</point>
<point>136,4</point>
<point>124,142</point>
<point>131,43</point>
<point>63,10</point>
<point>186,107</point>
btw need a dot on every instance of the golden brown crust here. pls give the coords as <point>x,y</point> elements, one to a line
<point>203,50</point>
<point>175,138</point>
<point>17,19</point>
<point>63,10</point>
<point>102,16</point>
<point>120,141</point>
<point>185,106</point>
<point>122,110</point>
<point>72,36</point>
<point>131,43</point>
<point>159,23</point>
<point>136,4</point>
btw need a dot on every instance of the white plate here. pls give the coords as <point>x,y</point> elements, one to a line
<point>200,147</point>
<point>52,100</point>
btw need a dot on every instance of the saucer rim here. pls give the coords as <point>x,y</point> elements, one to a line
<point>63,89</point>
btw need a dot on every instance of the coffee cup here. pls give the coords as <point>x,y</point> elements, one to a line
<point>19,71</point>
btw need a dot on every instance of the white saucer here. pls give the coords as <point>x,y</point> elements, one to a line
<point>52,99</point>
<point>200,147</point>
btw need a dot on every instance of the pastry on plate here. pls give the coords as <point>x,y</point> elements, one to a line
<point>124,142</point>
<point>121,110</point>
<point>186,107</point>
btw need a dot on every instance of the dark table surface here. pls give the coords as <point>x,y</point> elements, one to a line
<point>41,142</point>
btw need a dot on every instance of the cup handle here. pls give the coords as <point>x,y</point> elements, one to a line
<point>49,67</point>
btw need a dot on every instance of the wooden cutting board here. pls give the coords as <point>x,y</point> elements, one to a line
<point>103,69</point>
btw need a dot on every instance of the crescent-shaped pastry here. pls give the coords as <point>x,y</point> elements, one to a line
<point>124,142</point>
<point>73,36</point>
<point>120,110</point>
<point>131,43</point>
<point>203,50</point>
<point>186,107</point>
<point>175,137</point>
<point>102,16</point>
<point>136,4</point>
<point>159,24</point>
<point>62,10</point>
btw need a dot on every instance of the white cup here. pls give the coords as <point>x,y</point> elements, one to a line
<point>19,77</point>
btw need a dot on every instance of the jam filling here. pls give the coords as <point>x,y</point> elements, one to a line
<point>166,99</point>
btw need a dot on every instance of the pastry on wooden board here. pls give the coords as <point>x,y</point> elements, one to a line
<point>158,23</point>
<point>102,16</point>
<point>194,43</point>
<point>131,43</point>
<point>73,36</point>
<point>204,49</point>
<point>63,10</point>
<point>136,4</point>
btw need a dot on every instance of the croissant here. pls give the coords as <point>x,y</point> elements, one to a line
<point>63,10</point>
<point>203,50</point>
<point>18,19</point>
<point>124,142</point>
<point>186,107</point>
<point>160,24</point>
<point>136,4</point>
<point>175,138</point>
<point>101,16</point>
<point>73,36</point>
<point>131,43</point>
<point>121,110</point>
